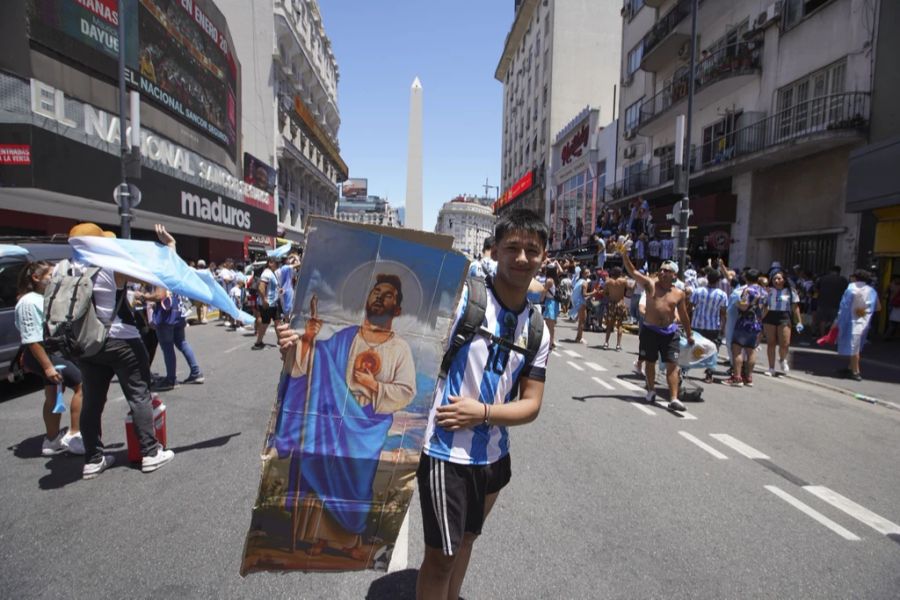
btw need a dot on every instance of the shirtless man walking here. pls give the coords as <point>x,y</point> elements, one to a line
<point>616,310</point>
<point>659,334</point>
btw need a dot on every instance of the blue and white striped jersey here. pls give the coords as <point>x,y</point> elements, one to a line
<point>782,299</point>
<point>708,304</point>
<point>487,372</point>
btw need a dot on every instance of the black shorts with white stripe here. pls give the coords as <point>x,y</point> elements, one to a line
<point>453,497</point>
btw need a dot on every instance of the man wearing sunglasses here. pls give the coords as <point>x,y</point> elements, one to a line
<point>659,333</point>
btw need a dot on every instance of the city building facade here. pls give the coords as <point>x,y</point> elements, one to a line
<point>583,159</point>
<point>306,77</point>
<point>59,123</point>
<point>782,96</point>
<point>369,210</point>
<point>469,221</point>
<point>558,57</point>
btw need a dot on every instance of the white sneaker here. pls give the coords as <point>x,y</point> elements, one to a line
<point>769,372</point>
<point>74,443</point>
<point>54,446</point>
<point>784,367</point>
<point>93,469</point>
<point>650,398</point>
<point>155,461</point>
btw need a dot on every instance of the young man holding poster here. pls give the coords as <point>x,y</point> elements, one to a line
<point>466,461</point>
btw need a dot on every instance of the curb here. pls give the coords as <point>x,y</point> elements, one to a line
<point>840,390</point>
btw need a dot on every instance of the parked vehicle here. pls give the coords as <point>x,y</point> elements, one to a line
<point>49,249</point>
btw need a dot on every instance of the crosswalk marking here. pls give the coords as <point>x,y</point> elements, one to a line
<point>811,512</point>
<point>603,383</point>
<point>860,513</point>
<point>643,409</point>
<point>702,445</point>
<point>575,366</point>
<point>572,353</point>
<point>738,446</point>
<point>595,366</point>
<point>555,353</point>
<point>628,385</point>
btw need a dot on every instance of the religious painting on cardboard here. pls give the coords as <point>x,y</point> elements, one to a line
<point>373,307</point>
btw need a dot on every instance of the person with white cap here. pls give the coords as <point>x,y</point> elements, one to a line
<point>659,333</point>
<point>201,308</point>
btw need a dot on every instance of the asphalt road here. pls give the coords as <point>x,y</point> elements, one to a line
<point>609,498</point>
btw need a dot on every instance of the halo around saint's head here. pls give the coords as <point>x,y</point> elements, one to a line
<point>359,282</point>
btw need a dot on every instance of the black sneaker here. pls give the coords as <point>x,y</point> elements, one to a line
<point>162,385</point>
<point>199,378</point>
<point>259,346</point>
<point>855,376</point>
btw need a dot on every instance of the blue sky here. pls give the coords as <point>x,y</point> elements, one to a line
<point>453,47</point>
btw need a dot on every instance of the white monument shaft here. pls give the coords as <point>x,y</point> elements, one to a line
<point>414,159</point>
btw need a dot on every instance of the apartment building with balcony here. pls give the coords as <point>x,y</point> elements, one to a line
<point>558,57</point>
<point>782,96</point>
<point>306,76</point>
<point>469,220</point>
<point>290,119</point>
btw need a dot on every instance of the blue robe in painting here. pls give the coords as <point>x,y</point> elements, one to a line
<point>342,440</point>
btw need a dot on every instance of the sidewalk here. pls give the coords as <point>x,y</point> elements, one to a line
<point>879,365</point>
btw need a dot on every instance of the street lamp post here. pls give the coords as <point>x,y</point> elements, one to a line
<point>682,213</point>
<point>127,195</point>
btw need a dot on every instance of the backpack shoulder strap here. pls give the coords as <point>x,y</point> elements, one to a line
<point>535,334</point>
<point>472,318</point>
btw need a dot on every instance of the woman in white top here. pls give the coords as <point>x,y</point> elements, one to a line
<point>52,368</point>
<point>783,303</point>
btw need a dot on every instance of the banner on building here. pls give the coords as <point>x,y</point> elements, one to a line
<point>178,54</point>
<point>355,188</point>
<point>347,429</point>
<point>261,176</point>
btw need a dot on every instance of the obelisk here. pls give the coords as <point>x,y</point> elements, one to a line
<point>414,159</point>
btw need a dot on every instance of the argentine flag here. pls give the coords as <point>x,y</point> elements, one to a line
<point>157,265</point>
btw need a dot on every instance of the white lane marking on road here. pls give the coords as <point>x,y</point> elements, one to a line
<point>738,446</point>
<point>400,556</point>
<point>595,366</point>
<point>555,353</point>
<point>643,408</point>
<point>118,398</point>
<point>628,385</point>
<point>702,445</point>
<point>860,513</point>
<point>230,350</point>
<point>809,511</point>
<point>603,383</point>
<point>575,366</point>
<point>572,353</point>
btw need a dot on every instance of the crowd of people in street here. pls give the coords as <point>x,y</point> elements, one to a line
<point>131,320</point>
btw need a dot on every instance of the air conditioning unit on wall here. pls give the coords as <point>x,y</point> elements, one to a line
<point>769,16</point>
<point>630,134</point>
<point>628,80</point>
<point>629,152</point>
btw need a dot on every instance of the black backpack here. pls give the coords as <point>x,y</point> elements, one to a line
<point>471,324</point>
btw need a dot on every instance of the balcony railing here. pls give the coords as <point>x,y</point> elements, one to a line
<point>742,58</point>
<point>666,25</point>
<point>832,113</point>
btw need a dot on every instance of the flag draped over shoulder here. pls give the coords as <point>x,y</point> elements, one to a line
<point>157,265</point>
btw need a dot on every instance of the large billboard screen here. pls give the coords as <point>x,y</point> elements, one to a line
<point>355,188</point>
<point>178,54</point>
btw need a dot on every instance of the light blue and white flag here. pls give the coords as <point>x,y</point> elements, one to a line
<point>279,252</point>
<point>157,265</point>
<point>8,250</point>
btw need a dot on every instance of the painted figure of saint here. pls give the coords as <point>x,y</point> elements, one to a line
<point>336,399</point>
